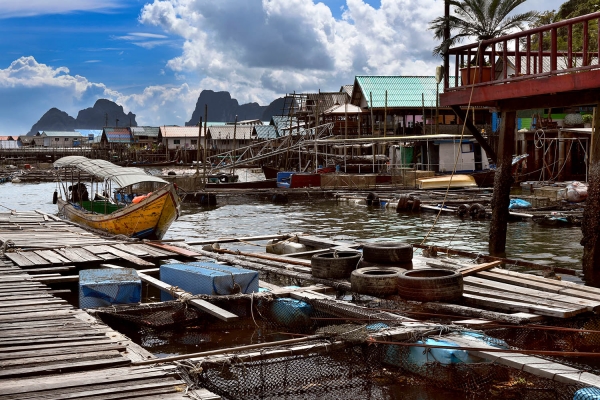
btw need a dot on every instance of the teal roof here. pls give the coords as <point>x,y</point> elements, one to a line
<point>402,91</point>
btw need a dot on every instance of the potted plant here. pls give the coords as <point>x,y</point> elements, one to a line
<point>484,20</point>
<point>587,120</point>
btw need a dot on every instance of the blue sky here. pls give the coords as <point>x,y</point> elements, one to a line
<point>155,57</point>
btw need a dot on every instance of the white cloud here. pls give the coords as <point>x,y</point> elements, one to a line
<point>260,49</point>
<point>19,8</point>
<point>29,88</point>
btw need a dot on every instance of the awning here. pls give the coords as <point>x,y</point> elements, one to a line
<point>122,176</point>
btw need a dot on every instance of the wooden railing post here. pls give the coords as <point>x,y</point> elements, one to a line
<point>586,40</point>
<point>553,38</point>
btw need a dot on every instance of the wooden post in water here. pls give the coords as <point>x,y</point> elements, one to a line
<point>205,149</point>
<point>502,183</point>
<point>590,225</point>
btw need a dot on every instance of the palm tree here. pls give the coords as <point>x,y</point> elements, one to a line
<point>483,19</point>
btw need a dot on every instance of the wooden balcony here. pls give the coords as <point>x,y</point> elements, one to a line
<point>523,74</point>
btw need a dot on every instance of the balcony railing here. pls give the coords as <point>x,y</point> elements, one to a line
<point>528,54</point>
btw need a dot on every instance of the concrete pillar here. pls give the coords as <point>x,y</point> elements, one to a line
<point>590,226</point>
<point>503,181</point>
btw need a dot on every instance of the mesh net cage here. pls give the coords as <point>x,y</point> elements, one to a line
<point>358,369</point>
<point>367,372</point>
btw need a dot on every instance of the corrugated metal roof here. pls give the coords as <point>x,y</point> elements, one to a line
<point>225,132</point>
<point>118,135</point>
<point>181,131</point>
<point>265,131</point>
<point>283,122</point>
<point>61,133</point>
<point>402,91</point>
<point>343,109</point>
<point>347,89</point>
<point>149,131</point>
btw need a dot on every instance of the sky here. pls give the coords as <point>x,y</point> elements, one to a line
<point>155,57</point>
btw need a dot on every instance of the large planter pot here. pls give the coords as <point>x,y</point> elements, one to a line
<point>474,76</point>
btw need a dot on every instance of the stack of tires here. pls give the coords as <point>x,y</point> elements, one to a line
<point>380,268</point>
<point>430,284</point>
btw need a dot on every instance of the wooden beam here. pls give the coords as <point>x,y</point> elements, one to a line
<point>488,94</point>
<point>475,132</point>
<point>203,305</point>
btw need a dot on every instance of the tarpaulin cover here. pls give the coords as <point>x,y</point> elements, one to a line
<point>122,176</point>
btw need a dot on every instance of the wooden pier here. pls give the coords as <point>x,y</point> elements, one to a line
<point>49,349</point>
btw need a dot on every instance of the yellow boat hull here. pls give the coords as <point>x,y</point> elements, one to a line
<point>441,182</point>
<point>148,219</point>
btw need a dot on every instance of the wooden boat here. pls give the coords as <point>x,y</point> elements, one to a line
<point>442,182</point>
<point>292,180</point>
<point>144,206</point>
<point>264,184</point>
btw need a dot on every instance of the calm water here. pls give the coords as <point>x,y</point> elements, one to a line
<point>341,221</point>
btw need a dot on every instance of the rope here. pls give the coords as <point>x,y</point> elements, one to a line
<point>462,134</point>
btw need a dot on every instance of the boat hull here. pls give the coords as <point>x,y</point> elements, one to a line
<point>148,219</point>
<point>445,181</point>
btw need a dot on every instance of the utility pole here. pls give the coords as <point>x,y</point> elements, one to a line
<point>198,147</point>
<point>234,145</point>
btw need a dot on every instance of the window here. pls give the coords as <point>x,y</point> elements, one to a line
<point>194,141</point>
<point>56,139</point>
<point>176,141</point>
<point>467,147</point>
<point>66,139</point>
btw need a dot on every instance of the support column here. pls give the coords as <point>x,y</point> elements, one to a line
<point>590,225</point>
<point>503,181</point>
<point>561,158</point>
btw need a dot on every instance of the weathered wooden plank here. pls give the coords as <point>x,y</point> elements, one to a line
<point>127,256</point>
<point>533,294</point>
<point>523,298</point>
<point>516,306</point>
<point>56,279</point>
<point>156,252</point>
<point>65,366</point>
<point>51,256</point>
<point>471,270</point>
<point>19,259</point>
<point>545,281</point>
<point>53,358</point>
<point>130,249</point>
<point>40,302</point>
<point>83,253</point>
<point>36,315</point>
<point>242,239</point>
<point>200,304</point>
<point>174,249</point>
<point>70,255</point>
<point>82,341</point>
<point>150,387</point>
<point>34,258</point>
<point>64,350</point>
<point>107,376</point>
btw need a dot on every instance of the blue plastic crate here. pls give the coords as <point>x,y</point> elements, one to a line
<point>105,287</point>
<point>208,278</point>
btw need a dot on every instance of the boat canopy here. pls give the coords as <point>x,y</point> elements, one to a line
<point>122,176</point>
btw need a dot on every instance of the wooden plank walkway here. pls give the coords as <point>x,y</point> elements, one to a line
<point>35,240</point>
<point>48,348</point>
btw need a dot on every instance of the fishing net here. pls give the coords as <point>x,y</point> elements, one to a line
<point>344,362</point>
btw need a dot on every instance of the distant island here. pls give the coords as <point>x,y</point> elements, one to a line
<point>221,108</point>
<point>103,113</point>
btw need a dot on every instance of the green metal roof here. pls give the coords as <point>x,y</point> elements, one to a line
<point>402,91</point>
